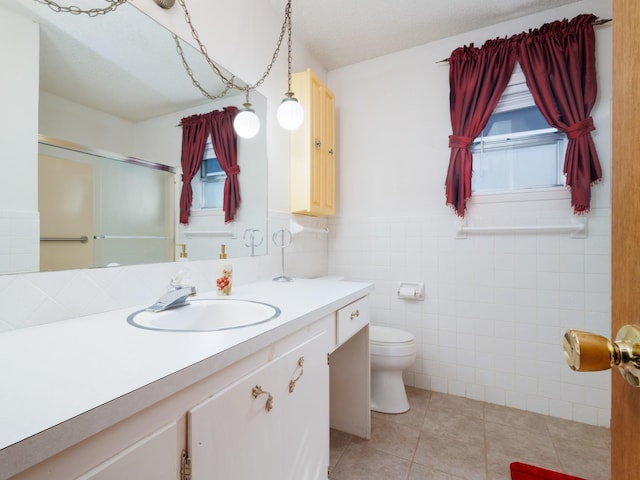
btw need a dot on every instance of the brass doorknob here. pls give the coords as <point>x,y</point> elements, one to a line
<point>588,352</point>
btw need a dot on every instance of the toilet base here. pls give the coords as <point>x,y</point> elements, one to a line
<point>388,394</point>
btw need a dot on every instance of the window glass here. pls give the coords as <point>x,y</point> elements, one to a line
<point>208,187</point>
<point>511,121</point>
<point>517,149</point>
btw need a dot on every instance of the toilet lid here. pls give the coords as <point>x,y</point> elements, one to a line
<point>381,335</point>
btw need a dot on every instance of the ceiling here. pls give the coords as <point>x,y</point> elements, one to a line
<point>343,32</point>
<point>146,83</point>
<point>122,63</point>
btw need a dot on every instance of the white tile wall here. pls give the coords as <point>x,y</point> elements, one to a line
<point>38,298</point>
<point>19,231</point>
<point>497,305</point>
<point>495,311</point>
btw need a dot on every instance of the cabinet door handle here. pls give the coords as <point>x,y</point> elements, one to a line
<point>257,391</point>
<point>318,144</point>
<point>355,314</point>
<point>292,383</point>
<point>331,151</point>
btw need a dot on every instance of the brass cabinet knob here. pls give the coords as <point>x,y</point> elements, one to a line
<point>588,352</point>
<point>257,391</point>
<point>292,383</point>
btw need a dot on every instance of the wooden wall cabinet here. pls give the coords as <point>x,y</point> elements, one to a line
<point>313,150</point>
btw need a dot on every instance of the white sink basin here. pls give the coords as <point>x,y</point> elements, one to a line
<point>206,315</point>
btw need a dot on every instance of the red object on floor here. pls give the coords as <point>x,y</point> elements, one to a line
<point>522,471</point>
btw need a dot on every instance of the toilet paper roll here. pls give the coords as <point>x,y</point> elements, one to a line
<point>407,291</point>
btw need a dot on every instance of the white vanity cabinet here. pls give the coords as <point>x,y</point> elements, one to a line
<point>270,424</point>
<point>265,412</point>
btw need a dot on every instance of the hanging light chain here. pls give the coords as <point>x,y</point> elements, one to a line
<point>229,82</point>
<point>189,71</point>
<point>289,44</point>
<point>92,12</point>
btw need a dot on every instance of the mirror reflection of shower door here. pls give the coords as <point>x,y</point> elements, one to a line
<point>134,215</point>
<point>65,201</point>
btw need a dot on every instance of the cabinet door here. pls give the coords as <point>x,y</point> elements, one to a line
<point>313,148</point>
<point>305,426</point>
<point>329,153</point>
<point>235,435</point>
<point>156,456</point>
<point>323,151</point>
<point>318,147</point>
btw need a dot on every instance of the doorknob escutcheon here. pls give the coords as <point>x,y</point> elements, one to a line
<point>588,352</point>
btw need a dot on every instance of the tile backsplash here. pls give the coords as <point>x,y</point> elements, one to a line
<point>30,299</point>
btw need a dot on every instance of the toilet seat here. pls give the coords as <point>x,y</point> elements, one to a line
<point>386,335</point>
<point>391,342</point>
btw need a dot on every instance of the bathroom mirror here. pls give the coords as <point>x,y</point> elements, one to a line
<point>115,83</point>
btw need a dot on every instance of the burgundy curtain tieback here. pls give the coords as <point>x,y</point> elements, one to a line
<point>235,170</point>
<point>583,127</point>
<point>460,141</point>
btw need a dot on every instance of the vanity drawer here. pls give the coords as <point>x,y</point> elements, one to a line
<point>351,319</point>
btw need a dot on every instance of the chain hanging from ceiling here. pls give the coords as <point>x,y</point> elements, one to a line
<point>195,82</point>
<point>92,12</point>
<point>286,26</point>
<point>289,113</point>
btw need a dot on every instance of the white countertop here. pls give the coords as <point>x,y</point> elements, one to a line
<point>84,374</point>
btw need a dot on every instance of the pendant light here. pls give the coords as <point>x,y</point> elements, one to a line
<point>246,123</point>
<point>290,113</point>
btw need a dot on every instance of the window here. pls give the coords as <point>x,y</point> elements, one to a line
<point>517,149</point>
<point>209,185</point>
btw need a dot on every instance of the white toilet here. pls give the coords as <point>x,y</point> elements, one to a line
<point>392,350</point>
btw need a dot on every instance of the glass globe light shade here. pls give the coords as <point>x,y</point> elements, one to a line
<point>290,113</point>
<point>246,124</point>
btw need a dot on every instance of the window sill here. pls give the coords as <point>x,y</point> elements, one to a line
<point>529,195</point>
<point>207,212</point>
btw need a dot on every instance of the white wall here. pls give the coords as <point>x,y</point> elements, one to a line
<point>19,219</point>
<point>496,305</point>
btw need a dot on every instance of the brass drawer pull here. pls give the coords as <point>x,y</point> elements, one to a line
<point>355,314</point>
<point>257,391</point>
<point>292,383</point>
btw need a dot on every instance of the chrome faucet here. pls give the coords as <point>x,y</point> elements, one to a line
<point>173,299</point>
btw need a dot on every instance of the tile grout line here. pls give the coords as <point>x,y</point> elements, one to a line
<point>415,449</point>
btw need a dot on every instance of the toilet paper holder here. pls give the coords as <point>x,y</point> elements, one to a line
<point>411,290</point>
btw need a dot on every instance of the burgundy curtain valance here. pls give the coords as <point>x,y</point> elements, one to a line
<point>195,130</point>
<point>558,62</point>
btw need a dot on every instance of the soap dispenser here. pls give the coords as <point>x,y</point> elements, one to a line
<point>223,273</point>
<point>183,253</point>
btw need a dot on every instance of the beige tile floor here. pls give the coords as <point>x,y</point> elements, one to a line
<point>444,437</point>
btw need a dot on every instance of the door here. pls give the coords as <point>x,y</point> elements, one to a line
<point>65,201</point>
<point>625,227</point>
